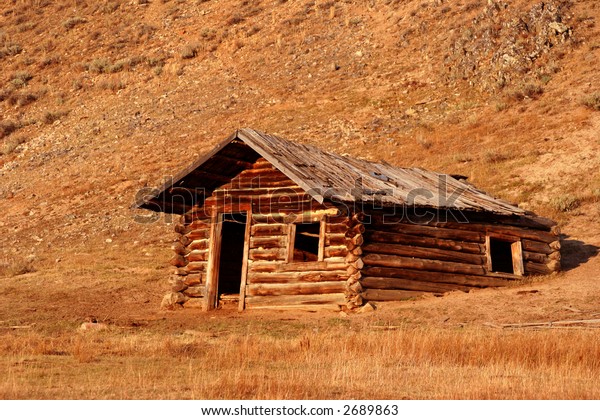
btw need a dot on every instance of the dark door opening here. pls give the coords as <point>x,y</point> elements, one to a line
<point>501,256</point>
<point>231,257</point>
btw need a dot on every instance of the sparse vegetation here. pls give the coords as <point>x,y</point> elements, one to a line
<point>497,156</point>
<point>8,127</point>
<point>527,90</point>
<point>20,79</point>
<point>72,22</point>
<point>50,117</point>
<point>15,266</point>
<point>565,203</point>
<point>592,101</point>
<point>189,51</point>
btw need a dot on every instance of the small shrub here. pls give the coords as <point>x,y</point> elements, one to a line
<point>496,156</point>
<point>99,65</point>
<point>565,203</point>
<point>528,90</point>
<point>20,79</point>
<point>462,158</point>
<point>189,51</point>
<point>73,22</point>
<point>15,267</point>
<point>8,127</point>
<point>592,101</point>
<point>501,106</point>
<point>235,20</point>
<point>49,117</point>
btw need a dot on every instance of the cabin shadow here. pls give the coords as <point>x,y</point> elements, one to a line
<point>575,252</point>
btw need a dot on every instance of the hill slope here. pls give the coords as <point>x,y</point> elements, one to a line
<point>101,98</point>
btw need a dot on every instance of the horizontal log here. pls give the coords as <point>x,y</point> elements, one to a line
<point>196,266</point>
<point>357,251</point>
<point>537,268</point>
<point>437,277</point>
<point>269,229</point>
<point>540,247</point>
<point>197,255</point>
<point>268,242</point>
<point>182,229</point>
<point>198,234</point>
<point>274,267</point>
<point>200,224</point>
<point>178,248</point>
<point>524,233</point>
<point>339,219</point>
<point>260,191</point>
<point>198,244</point>
<point>320,299</point>
<point>297,277</point>
<point>195,291</point>
<point>355,230</point>
<point>194,279</point>
<point>397,238</point>
<point>335,251</point>
<point>335,239</point>
<point>421,252</point>
<point>407,284</point>
<point>382,260</point>
<point>178,261</point>
<point>336,228</point>
<point>389,295</point>
<point>279,289</point>
<point>541,258</point>
<point>267,254</point>
<point>435,231</point>
<point>185,240</point>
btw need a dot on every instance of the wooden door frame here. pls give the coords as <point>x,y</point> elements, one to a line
<point>214,257</point>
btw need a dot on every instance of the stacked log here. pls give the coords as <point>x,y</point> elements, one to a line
<point>187,281</point>
<point>275,281</point>
<point>354,242</point>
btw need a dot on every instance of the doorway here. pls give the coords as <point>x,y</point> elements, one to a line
<point>231,258</point>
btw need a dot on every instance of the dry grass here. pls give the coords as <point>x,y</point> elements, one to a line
<point>334,362</point>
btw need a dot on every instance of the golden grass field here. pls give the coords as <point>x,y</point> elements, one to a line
<point>274,359</point>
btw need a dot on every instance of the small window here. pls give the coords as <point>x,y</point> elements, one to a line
<point>504,256</point>
<point>306,241</point>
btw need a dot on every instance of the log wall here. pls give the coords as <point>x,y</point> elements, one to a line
<point>274,202</point>
<point>401,257</point>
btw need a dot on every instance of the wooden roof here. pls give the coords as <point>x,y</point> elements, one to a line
<point>326,176</point>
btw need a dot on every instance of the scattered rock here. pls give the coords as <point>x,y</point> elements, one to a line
<point>87,326</point>
<point>369,307</point>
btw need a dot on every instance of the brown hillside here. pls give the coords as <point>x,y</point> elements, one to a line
<point>101,98</point>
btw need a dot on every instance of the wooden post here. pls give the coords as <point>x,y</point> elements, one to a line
<point>214,254</point>
<point>244,280</point>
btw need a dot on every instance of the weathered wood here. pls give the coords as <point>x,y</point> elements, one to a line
<point>357,251</point>
<point>517,258</point>
<point>389,295</point>
<point>212,277</point>
<point>436,277</point>
<point>397,238</point>
<point>195,291</point>
<point>181,229</point>
<point>200,224</point>
<point>471,235</point>
<point>358,264</point>
<point>319,299</point>
<point>178,248</point>
<point>540,247</point>
<point>415,285</point>
<point>185,239</point>
<point>537,268</point>
<point>272,267</point>
<point>178,261</point>
<point>268,242</point>
<point>267,254</point>
<point>198,255</point>
<point>296,277</point>
<point>245,257</point>
<point>198,234</point>
<point>269,229</point>
<point>196,267</point>
<point>420,252</point>
<point>335,239</point>
<point>335,251</point>
<point>337,228</point>
<point>382,260</point>
<point>198,244</point>
<point>278,289</point>
<point>321,251</point>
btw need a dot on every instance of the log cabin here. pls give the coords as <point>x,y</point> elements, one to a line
<point>269,223</point>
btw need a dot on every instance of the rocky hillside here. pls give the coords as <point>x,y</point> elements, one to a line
<point>101,98</point>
